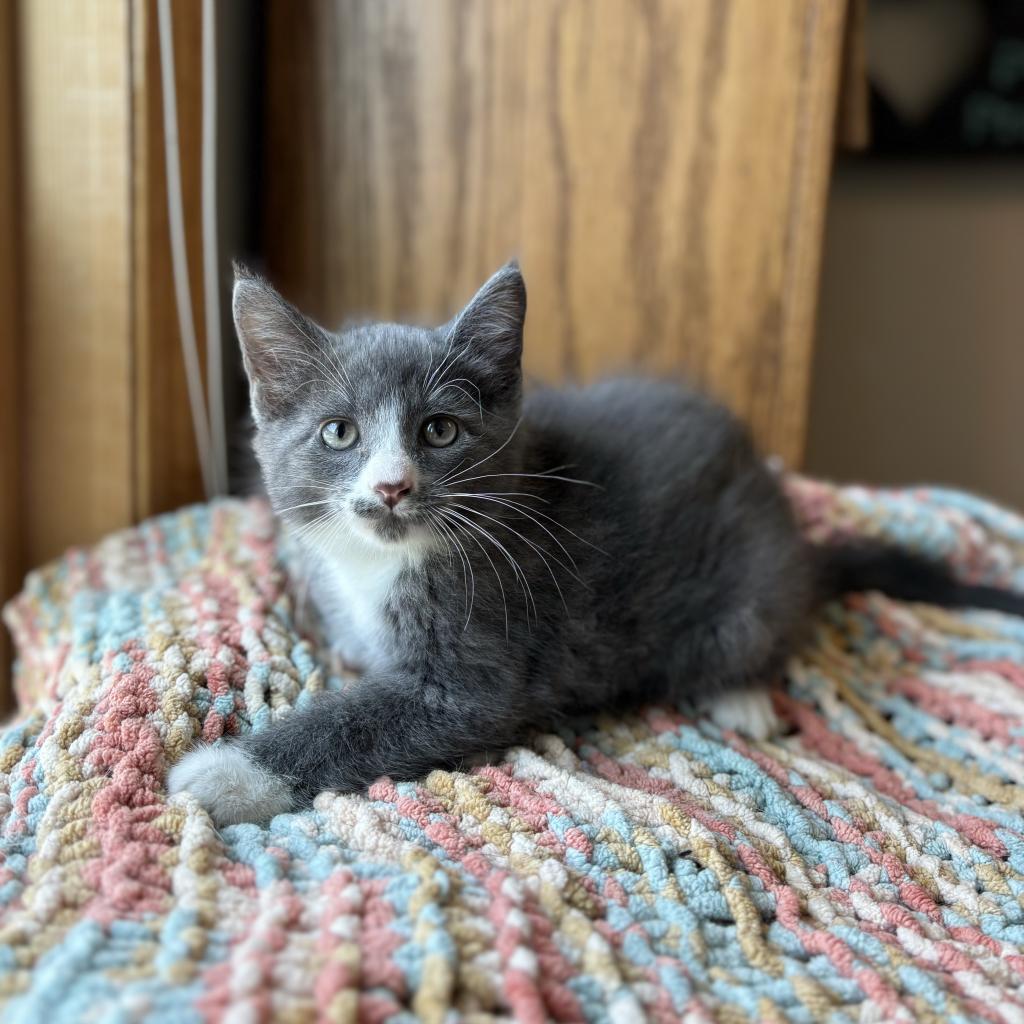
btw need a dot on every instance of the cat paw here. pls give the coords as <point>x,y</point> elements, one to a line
<point>230,786</point>
<point>748,712</point>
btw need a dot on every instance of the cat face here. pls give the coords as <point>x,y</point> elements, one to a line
<point>361,435</point>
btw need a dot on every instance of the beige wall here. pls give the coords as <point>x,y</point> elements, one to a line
<point>919,367</point>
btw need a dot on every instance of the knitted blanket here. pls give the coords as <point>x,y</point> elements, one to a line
<point>867,866</point>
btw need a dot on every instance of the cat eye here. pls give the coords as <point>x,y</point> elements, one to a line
<point>440,431</point>
<point>339,434</point>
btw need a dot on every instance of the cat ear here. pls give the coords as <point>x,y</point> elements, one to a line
<point>281,348</point>
<point>491,326</point>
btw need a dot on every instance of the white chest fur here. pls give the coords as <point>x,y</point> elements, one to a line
<point>351,584</point>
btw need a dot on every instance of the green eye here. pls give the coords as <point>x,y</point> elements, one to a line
<point>339,434</point>
<point>440,431</point>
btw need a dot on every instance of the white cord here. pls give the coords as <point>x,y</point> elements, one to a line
<point>211,263</point>
<point>179,257</point>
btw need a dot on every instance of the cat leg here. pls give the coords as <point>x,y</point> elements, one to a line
<point>230,785</point>
<point>344,741</point>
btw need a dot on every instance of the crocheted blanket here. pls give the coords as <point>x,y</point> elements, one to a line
<point>867,866</point>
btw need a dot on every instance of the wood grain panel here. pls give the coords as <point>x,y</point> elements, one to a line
<point>108,434</point>
<point>166,471</point>
<point>660,169</point>
<point>74,89</point>
<point>11,564</point>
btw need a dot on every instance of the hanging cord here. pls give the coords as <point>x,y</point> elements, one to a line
<point>211,262</point>
<point>179,257</point>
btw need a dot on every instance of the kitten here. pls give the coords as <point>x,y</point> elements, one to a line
<point>494,563</point>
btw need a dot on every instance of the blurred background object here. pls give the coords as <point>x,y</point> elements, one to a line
<point>946,76</point>
<point>662,169</point>
<point>919,356</point>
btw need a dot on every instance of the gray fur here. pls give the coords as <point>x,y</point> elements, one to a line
<point>578,550</point>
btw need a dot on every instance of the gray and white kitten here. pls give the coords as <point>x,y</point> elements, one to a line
<point>495,563</point>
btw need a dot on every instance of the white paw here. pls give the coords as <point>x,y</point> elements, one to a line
<point>748,712</point>
<point>230,785</point>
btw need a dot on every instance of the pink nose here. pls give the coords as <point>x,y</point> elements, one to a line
<point>392,494</point>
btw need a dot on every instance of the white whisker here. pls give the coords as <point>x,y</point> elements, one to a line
<point>493,494</point>
<point>460,380</point>
<point>447,478</point>
<point>539,551</point>
<point>529,512</point>
<point>575,567</point>
<point>317,530</point>
<point>305,504</point>
<point>497,575</point>
<point>432,376</point>
<point>470,587</point>
<point>542,552</point>
<point>330,370</point>
<point>458,387</point>
<point>517,569</point>
<point>445,545</point>
<point>538,476</point>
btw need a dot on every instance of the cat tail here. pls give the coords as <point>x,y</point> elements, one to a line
<point>904,575</point>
